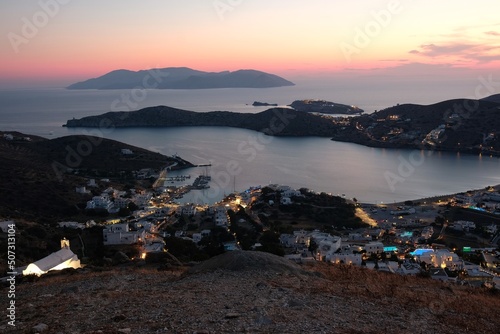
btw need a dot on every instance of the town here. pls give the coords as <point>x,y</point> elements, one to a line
<point>452,238</point>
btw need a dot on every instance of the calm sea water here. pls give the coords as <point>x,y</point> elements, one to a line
<point>242,158</point>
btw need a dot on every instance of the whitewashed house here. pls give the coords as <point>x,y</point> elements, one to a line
<point>374,248</point>
<point>346,258</point>
<point>220,216</point>
<point>290,193</point>
<point>100,202</point>
<point>327,248</point>
<point>126,151</point>
<point>442,258</point>
<point>188,210</point>
<point>142,200</point>
<point>120,234</point>
<point>302,237</point>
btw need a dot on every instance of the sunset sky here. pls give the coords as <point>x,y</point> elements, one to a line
<point>77,39</point>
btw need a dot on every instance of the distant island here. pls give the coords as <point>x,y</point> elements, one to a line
<point>182,78</point>
<point>325,107</point>
<point>460,125</point>
<point>264,104</point>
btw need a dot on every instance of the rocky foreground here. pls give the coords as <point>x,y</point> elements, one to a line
<point>249,292</point>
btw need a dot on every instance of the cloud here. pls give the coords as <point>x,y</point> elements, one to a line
<point>460,52</point>
<point>433,50</point>
<point>492,33</point>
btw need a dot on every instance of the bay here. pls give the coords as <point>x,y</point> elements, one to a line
<point>242,158</point>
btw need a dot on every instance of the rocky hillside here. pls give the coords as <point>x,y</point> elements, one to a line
<point>249,292</point>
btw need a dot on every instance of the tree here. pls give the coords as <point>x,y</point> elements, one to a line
<point>132,206</point>
<point>123,212</point>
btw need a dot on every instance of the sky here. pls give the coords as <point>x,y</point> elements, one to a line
<point>63,41</point>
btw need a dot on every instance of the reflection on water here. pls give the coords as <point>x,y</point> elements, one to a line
<point>239,160</point>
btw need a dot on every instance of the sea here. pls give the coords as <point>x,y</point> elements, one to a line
<point>241,158</point>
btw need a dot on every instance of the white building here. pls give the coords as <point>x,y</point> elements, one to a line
<point>142,200</point>
<point>442,258</point>
<point>290,193</point>
<point>327,247</point>
<point>220,216</point>
<point>494,196</point>
<point>465,199</point>
<point>374,248</point>
<point>355,259</point>
<point>189,210</point>
<point>120,234</point>
<point>100,202</point>
<point>302,237</point>
<point>62,259</point>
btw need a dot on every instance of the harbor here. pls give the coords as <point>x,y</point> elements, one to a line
<point>175,186</point>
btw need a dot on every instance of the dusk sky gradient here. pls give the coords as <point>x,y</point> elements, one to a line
<point>293,38</point>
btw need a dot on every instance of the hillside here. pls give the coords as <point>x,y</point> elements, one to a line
<point>325,107</point>
<point>250,292</point>
<point>492,98</point>
<point>35,175</point>
<point>469,126</point>
<point>275,121</point>
<point>182,78</point>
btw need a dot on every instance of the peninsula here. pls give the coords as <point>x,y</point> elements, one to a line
<point>460,125</point>
<point>275,121</point>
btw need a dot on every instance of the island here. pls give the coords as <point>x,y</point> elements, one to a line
<point>182,78</point>
<point>325,107</point>
<point>264,104</point>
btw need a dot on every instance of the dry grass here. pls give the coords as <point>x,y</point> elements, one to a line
<point>321,299</point>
